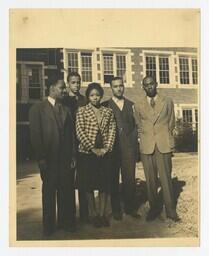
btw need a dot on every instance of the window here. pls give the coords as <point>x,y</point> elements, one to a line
<point>108,67</point>
<point>194,71</point>
<point>34,76</point>
<point>184,70</point>
<point>164,70</point>
<point>121,66</point>
<point>151,66</point>
<point>72,62</point>
<point>187,115</point>
<point>158,67</point>
<point>114,64</point>
<point>86,60</point>
<point>188,67</point>
<point>81,62</point>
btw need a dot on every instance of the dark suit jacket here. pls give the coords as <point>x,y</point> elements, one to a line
<point>73,104</point>
<point>156,125</point>
<point>126,136</point>
<point>48,142</point>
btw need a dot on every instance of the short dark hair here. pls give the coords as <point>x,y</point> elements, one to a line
<point>116,78</point>
<point>93,86</point>
<point>73,74</point>
<point>149,77</point>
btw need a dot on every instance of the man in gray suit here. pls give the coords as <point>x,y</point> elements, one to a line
<point>156,125</point>
<point>52,138</point>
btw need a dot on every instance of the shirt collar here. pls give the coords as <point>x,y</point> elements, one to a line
<point>149,98</point>
<point>51,100</point>
<point>116,99</point>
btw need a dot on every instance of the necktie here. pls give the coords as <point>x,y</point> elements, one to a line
<point>152,102</point>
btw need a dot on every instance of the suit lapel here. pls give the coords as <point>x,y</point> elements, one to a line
<point>159,103</point>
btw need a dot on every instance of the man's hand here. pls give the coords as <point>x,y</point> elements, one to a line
<point>73,163</point>
<point>43,168</point>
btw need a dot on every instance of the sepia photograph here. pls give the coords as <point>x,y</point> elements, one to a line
<point>106,133</point>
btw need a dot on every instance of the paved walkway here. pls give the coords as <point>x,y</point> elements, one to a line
<point>29,214</point>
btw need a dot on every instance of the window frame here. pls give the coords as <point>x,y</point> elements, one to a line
<point>79,52</point>
<point>190,56</point>
<point>23,66</point>
<point>127,52</point>
<point>157,54</point>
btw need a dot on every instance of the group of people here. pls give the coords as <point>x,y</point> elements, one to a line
<point>84,143</point>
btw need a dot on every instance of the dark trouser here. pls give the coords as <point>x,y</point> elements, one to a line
<point>154,164</point>
<point>83,204</point>
<point>114,189</point>
<point>128,166</point>
<point>61,192</point>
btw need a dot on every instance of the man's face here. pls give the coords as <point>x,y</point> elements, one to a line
<point>74,84</point>
<point>150,87</point>
<point>59,90</point>
<point>117,87</point>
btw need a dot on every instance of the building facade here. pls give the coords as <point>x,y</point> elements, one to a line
<point>175,69</point>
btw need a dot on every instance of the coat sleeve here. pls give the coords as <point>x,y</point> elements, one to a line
<point>80,130</point>
<point>137,120</point>
<point>36,132</point>
<point>112,132</point>
<point>171,114</point>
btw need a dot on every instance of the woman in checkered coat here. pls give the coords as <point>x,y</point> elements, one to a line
<point>95,129</point>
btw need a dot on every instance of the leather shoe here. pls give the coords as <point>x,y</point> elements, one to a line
<point>152,215</point>
<point>174,218</point>
<point>134,214</point>
<point>105,222</point>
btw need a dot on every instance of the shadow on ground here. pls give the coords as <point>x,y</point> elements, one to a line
<point>29,221</point>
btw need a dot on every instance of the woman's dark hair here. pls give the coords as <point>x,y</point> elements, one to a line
<point>95,86</point>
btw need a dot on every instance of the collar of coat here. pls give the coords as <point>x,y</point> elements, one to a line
<point>154,113</point>
<point>105,112</point>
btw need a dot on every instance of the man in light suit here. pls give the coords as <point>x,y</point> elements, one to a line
<point>52,138</point>
<point>156,125</point>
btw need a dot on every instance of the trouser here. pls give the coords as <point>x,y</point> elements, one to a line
<point>83,204</point>
<point>128,166</point>
<point>154,164</point>
<point>114,186</point>
<point>60,193</point>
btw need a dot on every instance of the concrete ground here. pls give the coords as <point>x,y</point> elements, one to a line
<point>185,180</point>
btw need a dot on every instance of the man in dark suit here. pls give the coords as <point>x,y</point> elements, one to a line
<point>156,125</point>
<point>125,150</point>
<point>73,100</point>
<point>52,138</point>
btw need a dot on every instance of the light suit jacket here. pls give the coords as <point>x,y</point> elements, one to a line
<point>156,125</point>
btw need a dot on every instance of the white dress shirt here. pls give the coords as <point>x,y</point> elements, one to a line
<point>149,99</point>
<point>118,102</point>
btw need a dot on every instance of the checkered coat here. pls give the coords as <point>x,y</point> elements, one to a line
<point>87,128</point>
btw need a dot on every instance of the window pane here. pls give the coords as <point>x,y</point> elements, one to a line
<point>187,115</point>
<point>164,70</point>
<point>86,63</point>
<point>108,67</point>
<point>151,66</point>
<point>121,66</point>
<point>73,62</point>
<point>34,78</point>
<point>184,70</point>
<point>194,71</point>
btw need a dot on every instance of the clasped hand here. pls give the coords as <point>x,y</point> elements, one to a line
<point>99,152</point>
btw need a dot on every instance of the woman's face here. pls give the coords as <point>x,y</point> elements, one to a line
<point>94,97</point>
